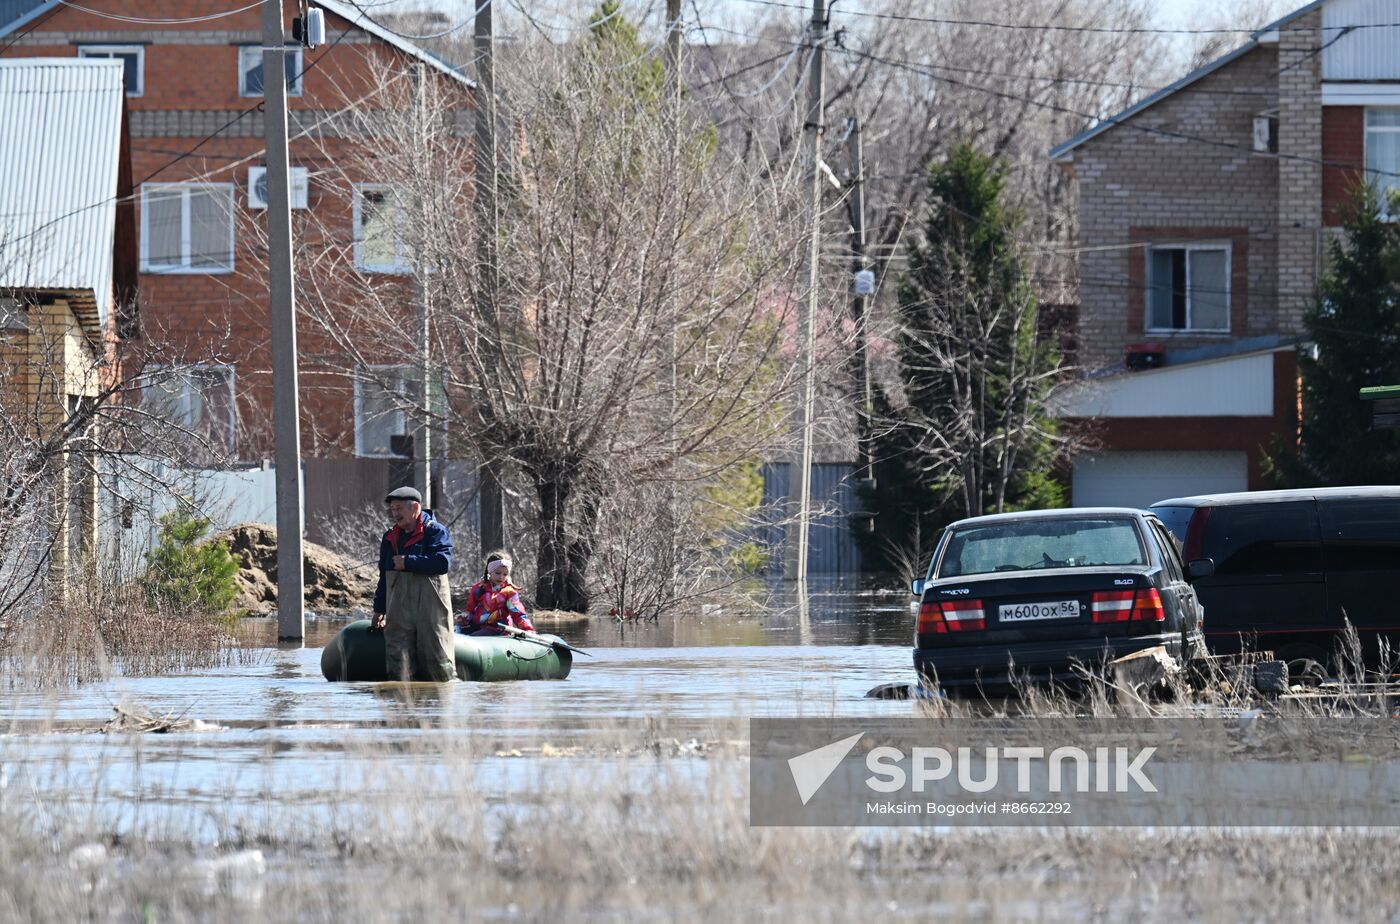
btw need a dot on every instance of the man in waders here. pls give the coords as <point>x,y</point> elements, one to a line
<point>413,604</point>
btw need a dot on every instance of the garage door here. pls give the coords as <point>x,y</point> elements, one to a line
<point>1138,479</point>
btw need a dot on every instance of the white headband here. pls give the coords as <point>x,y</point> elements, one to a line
<point>500,561</point>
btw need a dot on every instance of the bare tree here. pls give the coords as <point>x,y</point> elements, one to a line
<point>623,256</point>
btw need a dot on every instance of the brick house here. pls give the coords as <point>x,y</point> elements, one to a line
<point>1204,214</point>
<point>193,77</point>
<point>67,264</point>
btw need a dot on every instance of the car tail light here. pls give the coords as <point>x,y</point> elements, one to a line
<point>1123,605</point>
<point>963,615</point>
<point>1147,606</point>
<point>931,619</point>
<point>1195,534</point>
<point>1112,605</point>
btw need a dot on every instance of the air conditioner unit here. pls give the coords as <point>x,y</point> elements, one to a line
<point>1145,356</point>
<point>257,187</point>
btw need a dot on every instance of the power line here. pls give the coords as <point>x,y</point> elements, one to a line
<point>145,21</point>
<point>1121,119</point>
<point>1052,27</point>
<point>242,115</point>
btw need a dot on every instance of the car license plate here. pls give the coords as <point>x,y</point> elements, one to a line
<point>1025,612</point>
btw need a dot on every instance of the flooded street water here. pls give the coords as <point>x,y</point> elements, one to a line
<point>270,723</point>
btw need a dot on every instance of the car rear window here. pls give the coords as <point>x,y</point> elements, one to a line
<point>1176,519</point>
<point>1249,540</point>
<point>1362,535</point>
<point>1059,542</point>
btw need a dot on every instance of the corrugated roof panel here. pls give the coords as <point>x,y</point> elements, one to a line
<point>60,145</point>
<point>13,10</point>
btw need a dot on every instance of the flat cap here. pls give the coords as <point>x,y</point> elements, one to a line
<point>404,494</point>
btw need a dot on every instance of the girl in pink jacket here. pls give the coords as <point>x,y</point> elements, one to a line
<point>494,602</point>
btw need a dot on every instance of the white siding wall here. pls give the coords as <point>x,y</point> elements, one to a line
<point>1364,54</point>
<point>1237,387</point>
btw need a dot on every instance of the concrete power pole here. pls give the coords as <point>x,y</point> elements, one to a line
<point>422,437</point>
<point>815,127</point>
<point>286,412</point>
<point>862,284</point>
<point>491,497</point>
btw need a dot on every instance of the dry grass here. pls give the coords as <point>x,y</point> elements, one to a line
<point>104,629</point>
<point>421,832</point>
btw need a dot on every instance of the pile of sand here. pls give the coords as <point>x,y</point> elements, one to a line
<point>332,582</point>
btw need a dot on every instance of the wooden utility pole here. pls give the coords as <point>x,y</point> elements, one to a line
<point>812,137</point>
<point>490,497</point>
<point>862,284</point>
<point>286,412</point>
<point>422,436</point>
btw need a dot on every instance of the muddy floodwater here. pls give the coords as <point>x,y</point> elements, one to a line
<point>269,723</point>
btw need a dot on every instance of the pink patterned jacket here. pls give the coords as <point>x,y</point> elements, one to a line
<point>488,607</point>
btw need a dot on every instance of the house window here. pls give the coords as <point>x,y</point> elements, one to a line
<point>1188,288</point>
<point>381,398</point>
<point>250,70</point>
<point>384,400</point>
<point>197,399</point>
<point>187,227</point>
<point>133,58</point>
<point>379,244</point>
<point>1383,153</point>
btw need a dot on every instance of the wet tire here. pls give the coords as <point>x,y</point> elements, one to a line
<point>1306,671</point>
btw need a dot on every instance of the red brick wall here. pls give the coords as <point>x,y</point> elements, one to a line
<point>224,317</point>
<point>1343,142</point>
<point>1137,272</point>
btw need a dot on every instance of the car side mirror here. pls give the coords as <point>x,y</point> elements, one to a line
<point>918,587</point>
<point>1199,568</point>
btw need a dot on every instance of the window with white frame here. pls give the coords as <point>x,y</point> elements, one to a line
<point>379,244</point>
<point>133,58</point>
<point>381,402</point>
<point>1383,154</point>
<point>187,227</point>
<point>198,399</point>
<point>385,397</point>
<point>1188,288</point>
<point>250,70</point>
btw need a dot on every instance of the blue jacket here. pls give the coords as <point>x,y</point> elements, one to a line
<point>427,551</point>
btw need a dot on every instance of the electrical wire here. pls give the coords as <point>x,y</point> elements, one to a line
<point>136,191</point>
<point>782,69</point>
<point>1121,119</point>
<point>148,21</point>
<point>1049,27</point>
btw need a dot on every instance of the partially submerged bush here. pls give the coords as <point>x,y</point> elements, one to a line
<point>186,574</point>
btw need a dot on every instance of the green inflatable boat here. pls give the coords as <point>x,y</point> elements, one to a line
<point>358,654</point>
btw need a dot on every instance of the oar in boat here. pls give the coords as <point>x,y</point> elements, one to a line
<point>539,639</point>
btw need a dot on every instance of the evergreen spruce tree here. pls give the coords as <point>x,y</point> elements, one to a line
<point>970,434</point>
<point>1355,326</point>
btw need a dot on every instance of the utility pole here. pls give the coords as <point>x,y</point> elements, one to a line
<point>812,136</point>
<point>862,285</point>
<point>422,437</point>
<point>490,496</point>
<point>672,384</point>
<point>286,412</point>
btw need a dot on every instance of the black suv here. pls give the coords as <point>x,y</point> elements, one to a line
<point>1040,592</point>
<point>1290,566</point>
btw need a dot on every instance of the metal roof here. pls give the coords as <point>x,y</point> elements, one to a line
<point>1058,152</point>
<point>14,14</point>
<point>1355,492</point>
<point>361,20</point>
<point>60,149</point>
